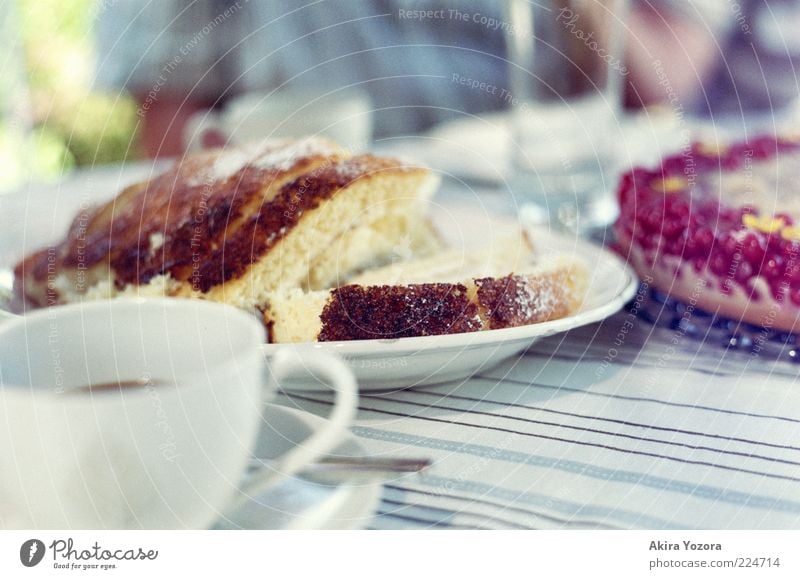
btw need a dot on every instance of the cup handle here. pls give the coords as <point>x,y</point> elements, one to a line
<point>199,125</point>
<point>290,362</point>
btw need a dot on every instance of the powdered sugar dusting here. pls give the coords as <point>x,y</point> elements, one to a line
<point>364,165</point>
<point>533,302</point>
<point>284,156</point>
<point>228,164</point>
<point>270,155</point>
<point>525,299</point>
<point>225,165</point>
<point>352,169</point>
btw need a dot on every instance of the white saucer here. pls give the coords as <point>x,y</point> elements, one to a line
<point>408,362</point>
<point>299,503</point>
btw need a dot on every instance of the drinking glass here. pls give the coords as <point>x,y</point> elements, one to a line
<point>566,74</point>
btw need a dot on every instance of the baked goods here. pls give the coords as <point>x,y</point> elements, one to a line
<point>500,257</point>
<point>233,225</point>
<point>325,245</point>
<point>718,227</point>
<point>481,293</point>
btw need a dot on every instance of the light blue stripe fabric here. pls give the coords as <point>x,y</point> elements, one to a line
<point>465,514</point>
<point>568,508</point>
<point>433,516</point>
<point>711,493</point>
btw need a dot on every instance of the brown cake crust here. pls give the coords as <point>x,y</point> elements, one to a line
<point>204,221</point>
<point>357,312</point>
<point>516,300</point>
<point>278,215</point>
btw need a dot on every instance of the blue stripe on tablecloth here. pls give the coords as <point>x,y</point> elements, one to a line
<point>429,517</point>
<point>574,467</point>
<point>644,361</point>
<point>385,520</point>
<point>580,346</point>
<point>505,380</point>
<point>397,506</point>
<point>418,522</point>
<point>555,438</point>
<point>504,507</point>
<point>578,428</point>
<point>450,395</point>
<point>571,510</point>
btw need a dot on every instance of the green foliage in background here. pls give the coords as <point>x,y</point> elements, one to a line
<point>73,126</point>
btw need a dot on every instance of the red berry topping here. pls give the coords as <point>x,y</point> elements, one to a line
<point>722,225</point>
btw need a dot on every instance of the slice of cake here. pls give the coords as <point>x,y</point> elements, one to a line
<point>482,293</point>
<point>505,255</point>
<point>234,225</point>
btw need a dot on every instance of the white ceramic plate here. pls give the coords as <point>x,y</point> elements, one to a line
<point>299,503</point>
<point>409,362</point>
<point>33,218</point>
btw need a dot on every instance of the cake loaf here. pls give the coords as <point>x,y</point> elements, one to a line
<point>235,224</point>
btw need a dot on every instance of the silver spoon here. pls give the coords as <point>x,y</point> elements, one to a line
<point>336,470</point>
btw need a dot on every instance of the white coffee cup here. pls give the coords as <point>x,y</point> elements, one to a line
<point>344,116</point>
<point>166,451</point>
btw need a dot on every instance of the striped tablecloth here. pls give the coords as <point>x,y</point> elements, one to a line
<point>616,425</point>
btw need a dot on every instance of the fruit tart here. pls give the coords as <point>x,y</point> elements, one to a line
<point>718,227</point>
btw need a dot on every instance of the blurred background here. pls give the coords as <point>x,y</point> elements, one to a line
<point>94,82</point>
<point>52,118</point>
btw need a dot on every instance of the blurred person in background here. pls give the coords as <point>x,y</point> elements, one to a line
<point>718,56</point>
<point>731,62</point>
<point>403,53</point>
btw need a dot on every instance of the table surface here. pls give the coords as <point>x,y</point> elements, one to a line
<point>621,424</point>
<point>616,425</point>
